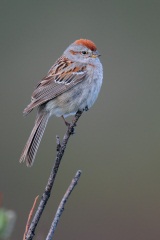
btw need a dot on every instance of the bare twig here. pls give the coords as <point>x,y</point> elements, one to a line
<point>62,204</point>
<point>29,217</point>
<point>60,151</point>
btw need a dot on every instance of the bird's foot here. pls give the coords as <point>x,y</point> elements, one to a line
<point>86,108</point>
<point>66,123</point>
<point>71,129</point>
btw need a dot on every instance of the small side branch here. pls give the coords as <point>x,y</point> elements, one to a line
<point>62,204</point>
<point>29,218</point>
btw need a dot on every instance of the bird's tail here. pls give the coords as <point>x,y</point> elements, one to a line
<point>31,147</point>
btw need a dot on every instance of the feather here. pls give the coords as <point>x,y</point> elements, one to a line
<point>34,140</point>
<point>88,43</point>
<point>55,84</point>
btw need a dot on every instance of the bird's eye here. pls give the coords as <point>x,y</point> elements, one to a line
<point>84,52</point>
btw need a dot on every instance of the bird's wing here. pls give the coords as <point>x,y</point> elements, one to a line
<point>61,77</point>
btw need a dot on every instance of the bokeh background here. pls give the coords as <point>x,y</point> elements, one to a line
<point>117,143</point>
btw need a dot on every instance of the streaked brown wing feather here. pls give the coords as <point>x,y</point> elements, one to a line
<point>60,78</point>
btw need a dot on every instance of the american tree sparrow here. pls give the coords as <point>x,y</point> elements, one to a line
<point>73,83</point>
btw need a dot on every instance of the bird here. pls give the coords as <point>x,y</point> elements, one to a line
<point>72,84</point>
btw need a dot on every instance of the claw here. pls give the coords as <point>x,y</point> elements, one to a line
<point>72,131</point>
<point>86,108</point>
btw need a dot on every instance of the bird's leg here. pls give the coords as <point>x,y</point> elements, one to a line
<point>67,123</point>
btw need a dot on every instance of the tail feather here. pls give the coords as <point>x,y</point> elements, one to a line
<point>34,140</point>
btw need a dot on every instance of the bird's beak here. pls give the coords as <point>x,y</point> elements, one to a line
<point>95,54</point>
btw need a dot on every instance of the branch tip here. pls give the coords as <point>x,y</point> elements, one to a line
<point>62,204</point>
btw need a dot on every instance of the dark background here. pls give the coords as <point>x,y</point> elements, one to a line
<point>117,143</point>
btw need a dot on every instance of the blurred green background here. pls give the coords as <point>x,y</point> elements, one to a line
<point>117,143</point>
